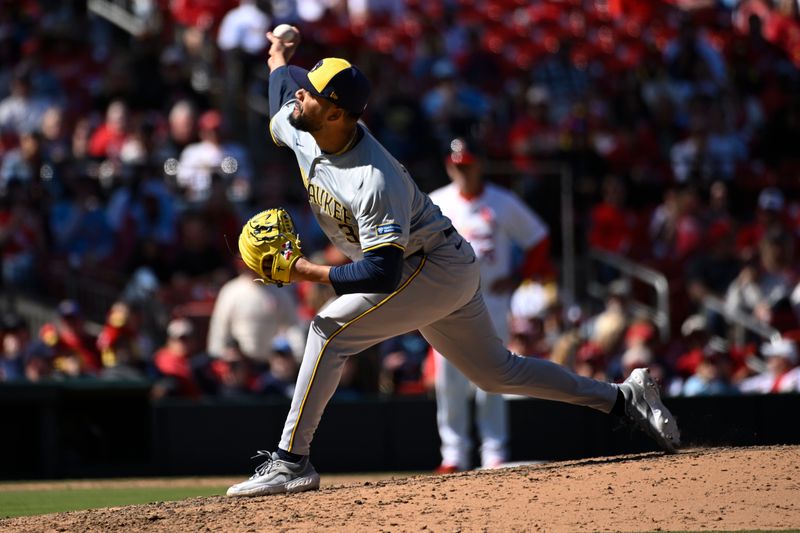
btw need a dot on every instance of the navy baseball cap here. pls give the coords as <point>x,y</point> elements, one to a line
<point>336,80</point>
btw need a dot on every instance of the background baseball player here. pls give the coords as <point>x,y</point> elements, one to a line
<point>493,220</point>
<point>410,270</point>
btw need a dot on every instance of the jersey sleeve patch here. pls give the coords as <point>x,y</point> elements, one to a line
<point>388,229</point>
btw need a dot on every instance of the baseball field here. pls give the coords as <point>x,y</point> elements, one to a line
<point>718,489</point>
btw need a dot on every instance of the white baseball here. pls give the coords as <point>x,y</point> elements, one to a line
<point>286,33</point>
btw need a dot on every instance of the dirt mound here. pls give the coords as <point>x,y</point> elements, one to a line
<point>700,489</point>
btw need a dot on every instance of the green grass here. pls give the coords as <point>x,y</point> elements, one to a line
<point>31,502</point>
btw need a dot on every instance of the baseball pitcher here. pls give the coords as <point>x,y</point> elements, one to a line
<point>411,270</point>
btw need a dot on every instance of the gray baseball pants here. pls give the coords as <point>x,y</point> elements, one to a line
<point>439,295</point>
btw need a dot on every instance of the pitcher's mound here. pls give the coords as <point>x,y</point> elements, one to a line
<point>698,489</point>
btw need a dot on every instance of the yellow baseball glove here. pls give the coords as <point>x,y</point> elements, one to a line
<point>269,245</point>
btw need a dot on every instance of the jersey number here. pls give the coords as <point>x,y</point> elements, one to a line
<point>349,233</point>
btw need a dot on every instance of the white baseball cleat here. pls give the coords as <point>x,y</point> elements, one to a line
<point>276,476</point>
<point>643,406</point>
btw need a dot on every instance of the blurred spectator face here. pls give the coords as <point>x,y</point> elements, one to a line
<point>15,338</point>
<point>122,316</point>
<point>193,38</point>
<point>80,139</point>
<point>53,124</point>
<point>29,145</point>
<point>710,367</point>
<point>718,196</point>
<point>182,122</point>
<point>778,364</point>
<point>117,116</point>
<point>774,250</point>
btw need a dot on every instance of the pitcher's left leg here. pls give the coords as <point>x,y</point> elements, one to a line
<point>468,339</point>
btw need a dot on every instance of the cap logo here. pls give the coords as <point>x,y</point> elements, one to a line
<point>324,71</point>
<point>334,96</point>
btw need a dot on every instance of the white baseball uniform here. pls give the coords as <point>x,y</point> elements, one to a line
<point>492,223</point>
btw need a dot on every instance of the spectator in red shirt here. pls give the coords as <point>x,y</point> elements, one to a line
<point>124,346</point>
<point>74,349</point>
<point>612,225</point>
<point>108,139</point>
<point>180,374</point>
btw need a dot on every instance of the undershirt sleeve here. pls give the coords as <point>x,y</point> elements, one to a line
<point>378,272</point>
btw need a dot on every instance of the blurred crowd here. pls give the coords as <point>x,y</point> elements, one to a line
<point>129,160</point>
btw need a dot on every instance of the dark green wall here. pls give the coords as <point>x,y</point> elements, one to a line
<point>97,429</point>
